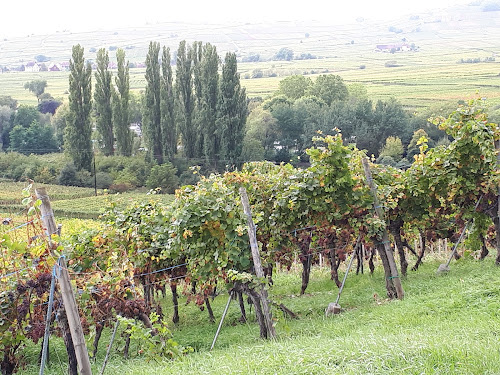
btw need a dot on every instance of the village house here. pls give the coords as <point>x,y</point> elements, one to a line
<point>32,66</point>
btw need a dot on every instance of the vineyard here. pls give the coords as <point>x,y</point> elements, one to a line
<point>74,202</point>
<point>342,207</point>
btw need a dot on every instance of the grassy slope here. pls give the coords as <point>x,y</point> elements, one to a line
<point>446,324</point>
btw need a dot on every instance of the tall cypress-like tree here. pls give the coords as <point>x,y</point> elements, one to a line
<point>78,141</point>
<point>209,75</point>
<point>198,124</point>
<point>102,100</point>
<point>168,130</point>
<point>185,100</point>
<point>232,110</point>
<point>152,106</point>
<point>121,111</point>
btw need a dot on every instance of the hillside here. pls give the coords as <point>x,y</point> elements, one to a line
<point>426,50</point>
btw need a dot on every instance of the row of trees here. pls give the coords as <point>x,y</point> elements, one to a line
<point>206,111</point>
<point>203,113</point>
<point>111,104</point>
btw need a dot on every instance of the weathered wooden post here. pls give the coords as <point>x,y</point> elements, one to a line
<point>47,213</point>
<point>68,297</point>
<point>497,221</point>
<point>396,281</point>
<point>252,234</point>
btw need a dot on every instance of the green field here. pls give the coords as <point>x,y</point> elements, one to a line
<point>446,324</point>
<point>70,201</point>
<point>429,75</point>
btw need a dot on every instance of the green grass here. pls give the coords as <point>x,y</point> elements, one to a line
<point>446,324</point>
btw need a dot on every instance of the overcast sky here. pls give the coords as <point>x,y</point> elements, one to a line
<point>41,17</point>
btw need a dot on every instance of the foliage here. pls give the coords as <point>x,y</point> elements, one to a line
<point>26,268</point>
<point>78,130</point>
<point>232,110</point>
<point>121,106</point>
<point>37,87</point>
<point>6,114</point>
<point>102,102</point>
<point>185,98</point>
<point>7,100</point>
<point>295,87</point>
<point>59,121</point>
<point>329,88</point>
<point>152,104</point>
<point>26,115</point>
<point>261,125</point>
<point>155,343</point>
<point>35,139</point>
<point>393,148</point>
<point>164,177</point>
<point>207,79</point>
<point>168,128</point>
<point>48,105</point>
<point>68,176</point>
<point>413,147</point>
<point>284,54</point>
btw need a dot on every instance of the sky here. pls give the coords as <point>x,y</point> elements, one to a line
<point>43,17</point>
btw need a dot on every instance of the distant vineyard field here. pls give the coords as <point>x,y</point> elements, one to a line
<point>431,72</point>
<point>70,201</point>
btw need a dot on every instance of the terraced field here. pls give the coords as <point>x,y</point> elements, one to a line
<point>428,75</point>
<point>69,201</point>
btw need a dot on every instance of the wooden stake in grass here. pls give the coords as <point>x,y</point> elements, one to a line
<point>497,219</point>
<point>394,276</point>
<point>252,234</point>
<point>68,297</point>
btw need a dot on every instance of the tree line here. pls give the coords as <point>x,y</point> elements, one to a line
<point>281,127</point>
<point>194,111</point>
<point>200,114</point>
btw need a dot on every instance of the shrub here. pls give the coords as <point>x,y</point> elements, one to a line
<point>391,64</point>
<point>282,156</point>
<point>104,180</point>
<point>163,176</point>
<point>67,176</point>
<point>387,160</point>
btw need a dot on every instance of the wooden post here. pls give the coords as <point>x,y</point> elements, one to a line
<point>252,234</point>
<point>497,221</point>
<point>47,213</point>
<point>69,301</point>
<point>75,325</point>
<point>385,237</point>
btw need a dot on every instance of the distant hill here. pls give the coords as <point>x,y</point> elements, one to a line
<point>458,27</point>
<point>441,55</point>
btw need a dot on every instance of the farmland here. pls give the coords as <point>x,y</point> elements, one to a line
<point>420,78</point>
<point>72,202</point>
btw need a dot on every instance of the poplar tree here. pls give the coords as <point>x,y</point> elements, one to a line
<point>207,114</point>
<point>102,100</point>
<point>168,130</point>
<point>121,111</point>
<point>232,110</point>
<point>198,124</point>
<point>78,141</point>
<point>152,105</point>
<point>185,101</point>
